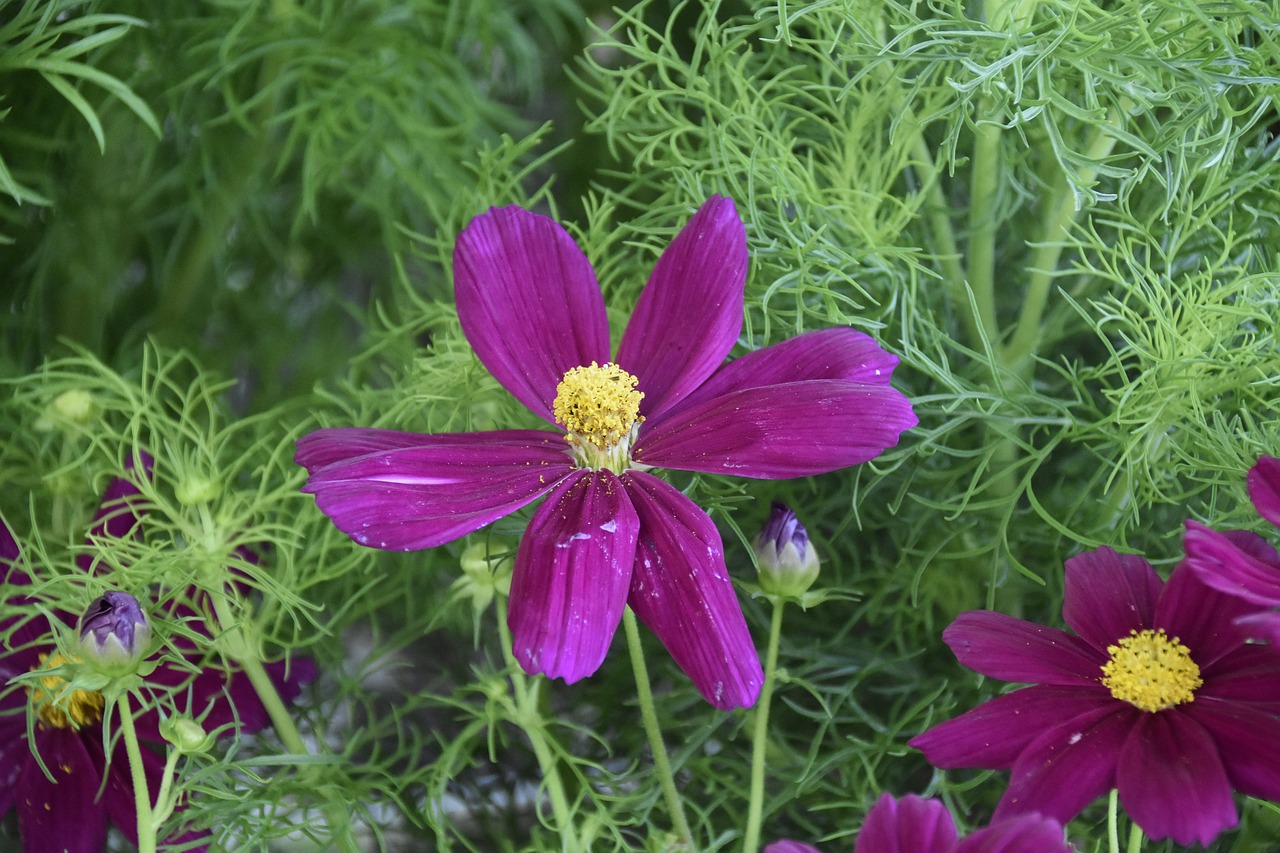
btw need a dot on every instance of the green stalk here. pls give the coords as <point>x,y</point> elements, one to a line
<point>1135,838</point>
<point>661,762</point>
<point>141,796</point>
<point>755,809</point>
<point>1113,830</point>
<point>984,194</point>
<point>529,718</point>
<point>938,213</point>
<point>1059,215</point>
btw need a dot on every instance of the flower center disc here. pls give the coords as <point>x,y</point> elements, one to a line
<point>79,709</point>
<point>597,405</point>
<point>1151,671</point>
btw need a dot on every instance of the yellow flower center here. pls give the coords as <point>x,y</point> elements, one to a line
<point>1151,671</point>
<point>59,707</point>
<point>599,408</point>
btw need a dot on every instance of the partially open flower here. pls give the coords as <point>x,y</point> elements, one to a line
<point>114,633</point>
<point>788,561</point>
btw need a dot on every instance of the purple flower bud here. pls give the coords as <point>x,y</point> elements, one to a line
<point>788,562</point>
<point>114,633</point>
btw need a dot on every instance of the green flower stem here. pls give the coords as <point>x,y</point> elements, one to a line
<point>1113,831</point>
<point>985,192</point>
<point>529,718</point>
<point>163,807</point>
<point>1135,838</point>
<point>661,763</point>
<point>337,815</point>
<point>1059,216</point>
<point>755,809</point>
<point>938,212</point>
<point>141,796</point>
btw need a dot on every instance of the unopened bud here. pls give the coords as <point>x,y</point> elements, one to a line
<point>787,560</point>
<point>186,735</point>
<point>71,410</point>
<point>114,633</point>
<point>195,489</point>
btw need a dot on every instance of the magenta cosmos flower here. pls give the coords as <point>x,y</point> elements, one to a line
<point>916,825</point>
<point>1240,563</point>
<point>610,533</point>
<point>1156,695</point>
<point>71,812</point>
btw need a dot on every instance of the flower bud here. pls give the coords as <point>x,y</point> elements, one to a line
<point>194,488</point>
<point>787,561</point>
<point>114,633</point>
<point>186,735</point>
<point>69,411</point>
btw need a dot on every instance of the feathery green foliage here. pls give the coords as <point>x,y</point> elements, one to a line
<point>1061,216</point>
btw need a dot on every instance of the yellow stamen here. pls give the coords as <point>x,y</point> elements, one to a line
<point>1151,671</point>
<point>60,708</point>
<point>598,405</point>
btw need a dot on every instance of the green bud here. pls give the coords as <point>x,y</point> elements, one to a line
<point>195,489</point>
<point>186,735</point>
<point>787,560</point>
<point>70,409</point>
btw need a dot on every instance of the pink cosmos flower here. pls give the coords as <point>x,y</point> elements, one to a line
<point>1240,563</point>
<point>71,812</point>
<point>1156,694</point>
<point>916,825</point>
<point>611,534</point>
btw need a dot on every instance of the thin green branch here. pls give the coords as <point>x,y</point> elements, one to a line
<point>661,762</point>
<point>529,718</point>
<point>137,771</point>
<point>1059,215</point>
<point>760,738</point>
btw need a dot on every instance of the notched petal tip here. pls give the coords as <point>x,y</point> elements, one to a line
<point>516,270</point>
<point>681,590</point>
<point>689,314</point>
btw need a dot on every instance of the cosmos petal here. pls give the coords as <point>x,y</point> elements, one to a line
<point>1010,649</point>
<point>1082,750</point>
<point>572,572</point>
<point>1220,561</point>
<point>787,845</point>
<point>839,353</point>
<point>1264,488</point>
<point>1248,741</point>
<point>1108,595</point>
<point>66,814</point>
<point>779,431</point>
<point>689,314</point>
<point>528,302</point>
<point>996,732</point>
<point>1246,674</point>
<point>1261,626</point>
<point>14,753</point>
<point>115,518</point>
<point>680,588</point>
<point>1021,834</point>
<point>1172,782</point>
<point>909,825</point>
<point>404,491</point>
<point>1201,618</point>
